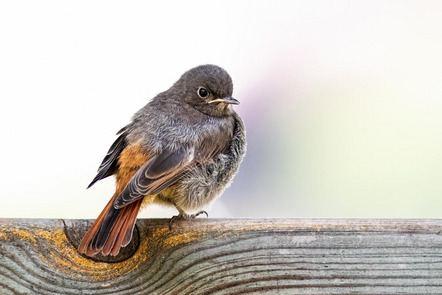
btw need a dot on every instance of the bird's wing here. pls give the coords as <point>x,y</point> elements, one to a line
<point>155,175</point>
<point>110,161</point>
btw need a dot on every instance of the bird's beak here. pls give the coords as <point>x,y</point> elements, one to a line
<point>229,100</point>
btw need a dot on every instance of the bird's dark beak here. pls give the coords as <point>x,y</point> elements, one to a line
<point>229,100</point>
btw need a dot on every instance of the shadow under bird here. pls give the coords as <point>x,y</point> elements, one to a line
<point>181,149</point>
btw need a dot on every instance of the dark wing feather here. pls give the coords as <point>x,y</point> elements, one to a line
<point>110,161</point>
<point>155,175</point>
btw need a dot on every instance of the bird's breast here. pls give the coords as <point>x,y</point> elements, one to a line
<point>215,138</point>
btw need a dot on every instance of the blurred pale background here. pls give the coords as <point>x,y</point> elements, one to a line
<point>342,100</point>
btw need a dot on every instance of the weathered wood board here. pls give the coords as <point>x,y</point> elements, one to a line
<point>228,256</point>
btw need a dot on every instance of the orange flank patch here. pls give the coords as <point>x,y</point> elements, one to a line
<point>130,160</point>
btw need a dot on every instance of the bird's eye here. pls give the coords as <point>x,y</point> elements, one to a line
<point>202,92</point>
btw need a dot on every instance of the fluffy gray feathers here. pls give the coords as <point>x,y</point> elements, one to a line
<point>202,143</point>
<point>207,181</point>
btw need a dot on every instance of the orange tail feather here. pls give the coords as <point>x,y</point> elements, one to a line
<point>111,230</point>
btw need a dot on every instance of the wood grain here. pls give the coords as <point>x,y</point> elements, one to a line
<point>228,256</point>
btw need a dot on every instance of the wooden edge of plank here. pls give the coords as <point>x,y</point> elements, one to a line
<point>67,233</point>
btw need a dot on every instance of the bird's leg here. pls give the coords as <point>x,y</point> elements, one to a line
<point>184,215</point>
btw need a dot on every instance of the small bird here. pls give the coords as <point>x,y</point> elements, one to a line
<point>181,149</point>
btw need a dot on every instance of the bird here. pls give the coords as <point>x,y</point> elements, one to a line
<point>182,149</point>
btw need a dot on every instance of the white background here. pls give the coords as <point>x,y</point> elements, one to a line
<point>342,100</point>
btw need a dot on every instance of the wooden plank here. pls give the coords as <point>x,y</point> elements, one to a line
<point>228,256</point>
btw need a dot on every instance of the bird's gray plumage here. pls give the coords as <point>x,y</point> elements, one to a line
<point>196,147</point>
<point>208,180</point>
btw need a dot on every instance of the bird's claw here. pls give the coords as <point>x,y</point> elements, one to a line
<point>199,213</point>
<point>184,216</point>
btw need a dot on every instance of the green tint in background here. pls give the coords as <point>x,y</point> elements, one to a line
<point>351,149</point>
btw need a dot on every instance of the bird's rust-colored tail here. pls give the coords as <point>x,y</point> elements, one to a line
<point>114,227</point>
<point>111,230</point>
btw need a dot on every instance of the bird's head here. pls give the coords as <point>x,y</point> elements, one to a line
<point>208,88</point>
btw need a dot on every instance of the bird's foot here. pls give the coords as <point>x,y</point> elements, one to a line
<point>185,216</point>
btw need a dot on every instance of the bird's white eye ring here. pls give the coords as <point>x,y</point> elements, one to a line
<point>202,92</point>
